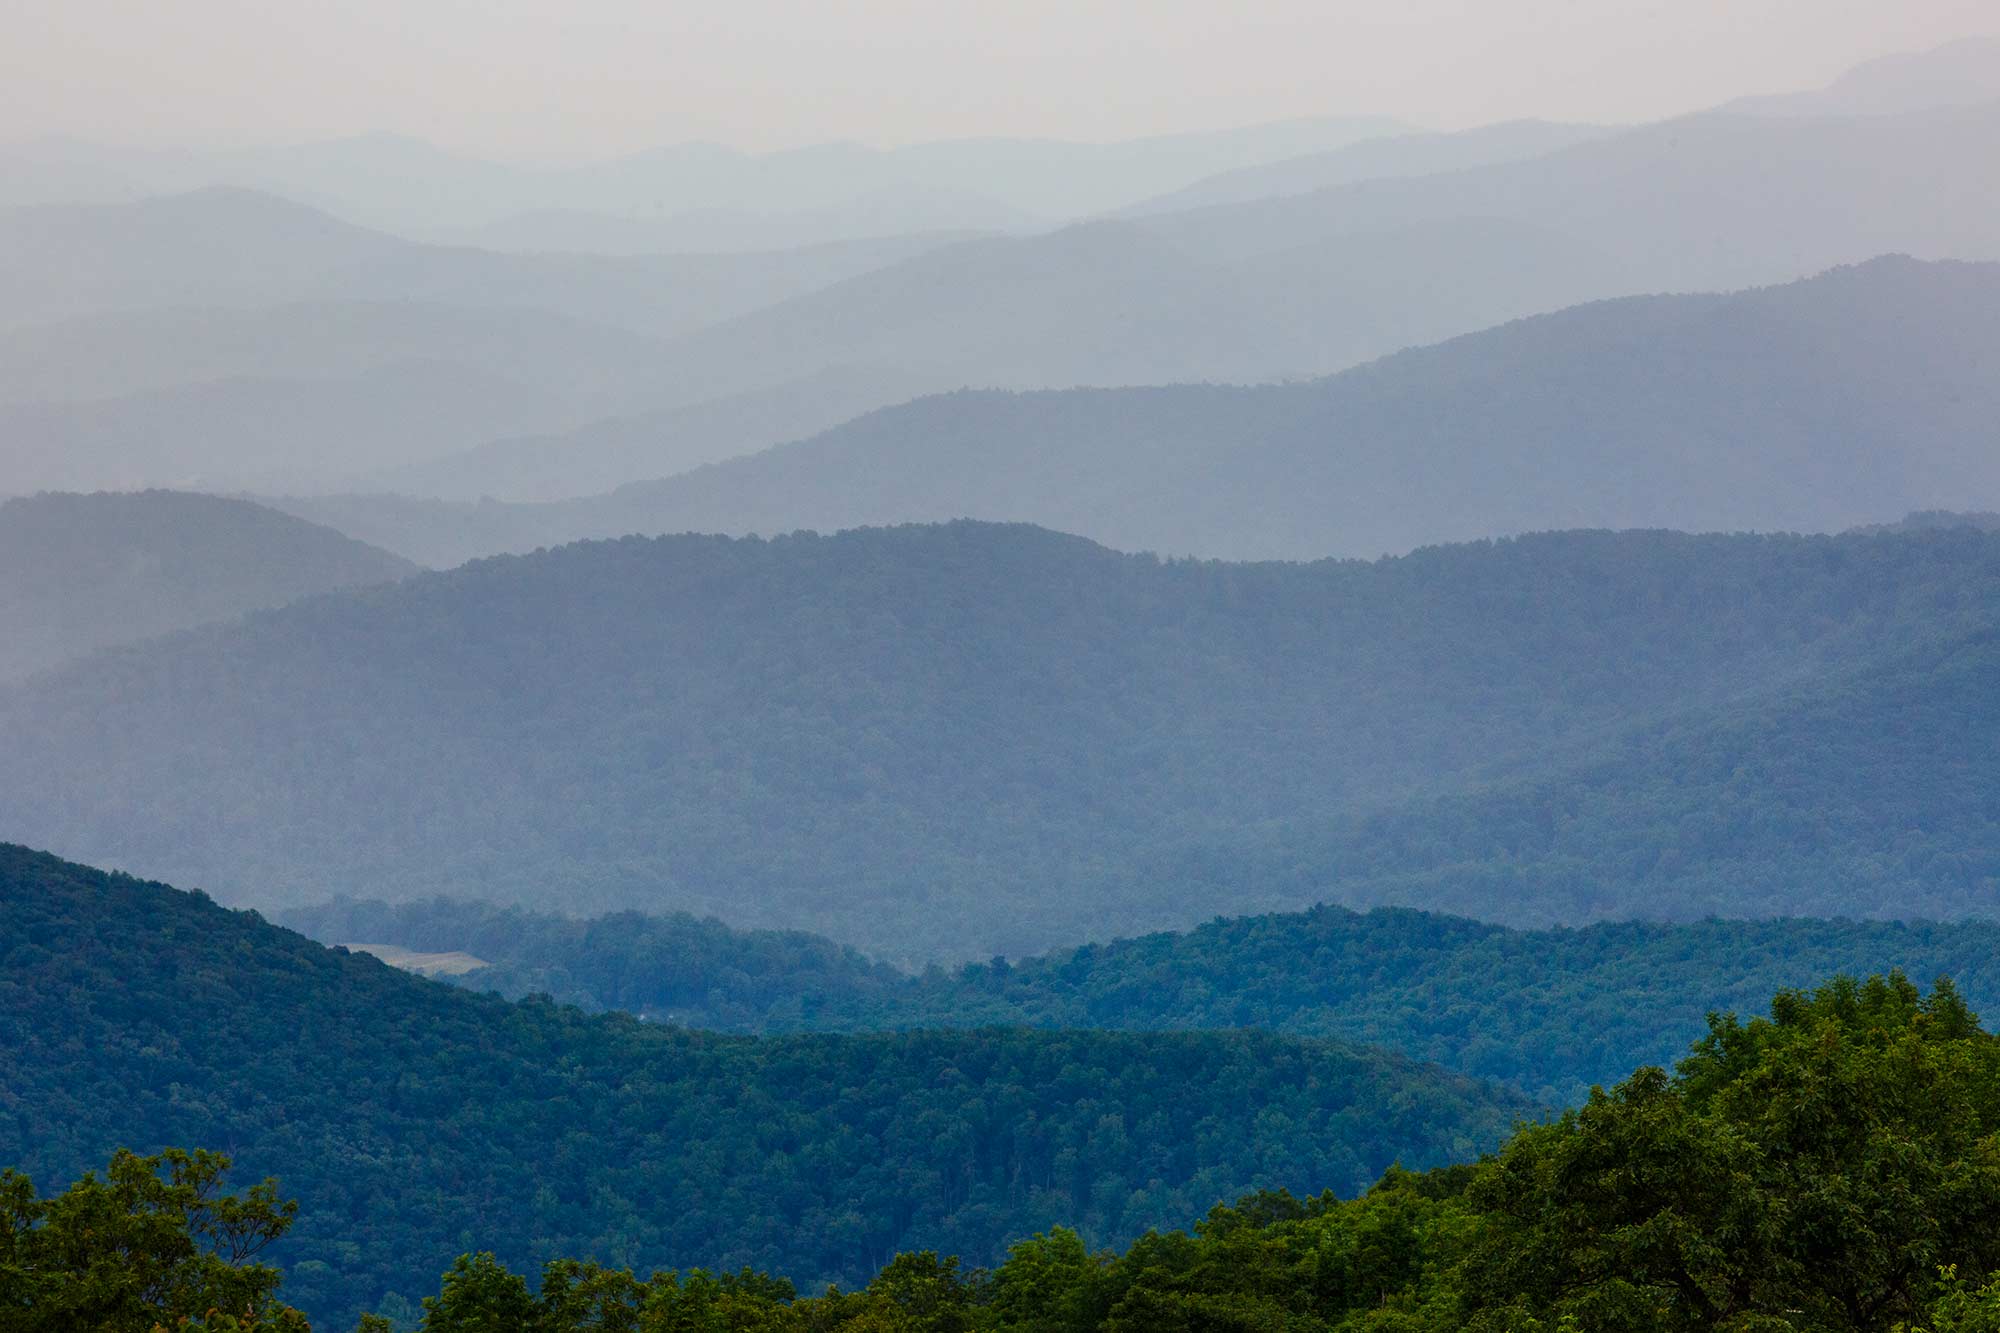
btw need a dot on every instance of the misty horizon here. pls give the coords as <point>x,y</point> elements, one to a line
<point>1442,68</point>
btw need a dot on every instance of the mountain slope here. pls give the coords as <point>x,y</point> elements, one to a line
<point>1259,291</point>
<point>604,455</point>
<point>97,357</point>
<point>301,395</point>
<point>409,1117</point>
<point>80,572</point>
<point>1116,302</point>
<point>268,433</point>
<point>1702,202</point>
<point>224,247</point>
<point>1549,1011</point>
<point>417,188</point>
<point>889,212</point>
<point>1961,73</point>
<point>1311,283</point>
<point>1817,405</point>
<point>1869,794</point>
<point>1271,289</point>
<point>1373,159</point>
<point>217,247</point>
<point>935,741</point>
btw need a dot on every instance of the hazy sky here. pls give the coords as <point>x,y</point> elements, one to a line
<point>559,77</point>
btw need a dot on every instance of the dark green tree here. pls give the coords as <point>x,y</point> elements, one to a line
<point>155,1242</point>
<point>1820,1165</point>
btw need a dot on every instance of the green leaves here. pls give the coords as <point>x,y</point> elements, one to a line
<point>1820,1164</point>
<point>153,1243</point>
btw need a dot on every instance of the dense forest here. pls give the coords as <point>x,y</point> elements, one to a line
<point>414,1121</point>
<point>1550,1012</point>
<point>676,968</point>
<point>1829,1168</point>
<point>955,741</point>
<point>1866,793</point>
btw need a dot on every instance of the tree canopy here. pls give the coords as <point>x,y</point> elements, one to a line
<point>1831,1168</point>
<point>1550,1012</point>
<point>414,1121</point>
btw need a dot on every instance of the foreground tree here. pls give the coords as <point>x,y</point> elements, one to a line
<point>154,1244</point>
<point>1813,1170</point>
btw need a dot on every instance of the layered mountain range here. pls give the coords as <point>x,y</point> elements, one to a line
<point>965,739</point>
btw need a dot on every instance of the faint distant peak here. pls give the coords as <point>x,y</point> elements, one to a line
<point>1964,72</point>
<point>1938,520</point>
<point>221,212</point>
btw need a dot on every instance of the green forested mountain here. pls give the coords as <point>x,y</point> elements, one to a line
<point>962,740</point>
<point>1690,412</point>
<point>1869,793</point>
<point>79,572</point>
<point>1829,1168</point>
<point>415,1121</point>
<point>1548,1011</point>
<point>676,968</point>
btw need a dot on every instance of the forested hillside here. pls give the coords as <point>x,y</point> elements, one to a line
<point>416,1121</point>
<point>1550,1012</point>
<point>1826,1168</point>
<point>962,740</point>
<point>79,572</point>
<point>1869,793</point>
<point>1688,412</point>
<point>676,968</point>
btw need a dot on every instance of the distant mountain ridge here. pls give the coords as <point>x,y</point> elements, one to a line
<point>1258,290</point>
<point>1959,73</point>
<point>407,185</point>
<point>953,741</point>
<point>237,248</point>
<point>1373,159</point>
<point>238,341</point>
<point>1311,283</point>
<point>1551,1012</point>
<point>1932,520</point>
<point>82,572</point>
<point>604,455</point>
<point>1817,405</point>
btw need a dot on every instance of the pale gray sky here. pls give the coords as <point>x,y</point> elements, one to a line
<point>565,77</point>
